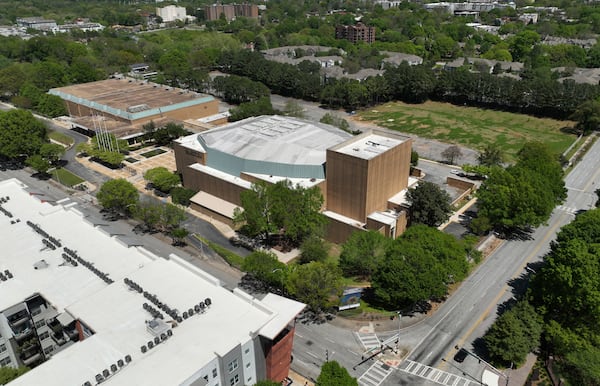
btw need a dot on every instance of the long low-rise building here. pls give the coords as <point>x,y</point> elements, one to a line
<point>360,177</point>
<point>124,105</point>
<point>84,307</point>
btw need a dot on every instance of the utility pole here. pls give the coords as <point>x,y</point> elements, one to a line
<point>326,355</point>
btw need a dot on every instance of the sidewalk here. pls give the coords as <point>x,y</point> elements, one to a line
<point>299,379</point>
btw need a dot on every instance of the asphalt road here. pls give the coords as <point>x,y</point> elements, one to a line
<point>465,316</point>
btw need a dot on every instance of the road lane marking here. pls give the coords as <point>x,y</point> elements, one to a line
<point>312,354</point>
<point>550,233</point>
<point>299,336</point>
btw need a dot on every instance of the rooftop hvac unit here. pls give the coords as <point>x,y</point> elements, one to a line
<point>207,301</point>
<point>150,344</point>
<point>120,363</point>
<point>106,373</point>
<point>113,368</point>
<point>191,312</point>
<point>87,383</point>
<point>144,349</point>
<point>128,358</point>
<point>156,340</point>
<point>99,378</point>
<point>169,333</point>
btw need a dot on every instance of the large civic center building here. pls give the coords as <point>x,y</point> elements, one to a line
<point>363,178</point>
<point>83,307</point>
<point>122,106</point>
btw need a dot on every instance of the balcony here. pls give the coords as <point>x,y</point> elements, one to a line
<point>32,359</point>
<point>23,333</point>
<point>18,318</point>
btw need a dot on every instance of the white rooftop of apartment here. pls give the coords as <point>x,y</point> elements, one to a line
<point>370,146</point>
<point>272,138</point>
<point>114,311</point>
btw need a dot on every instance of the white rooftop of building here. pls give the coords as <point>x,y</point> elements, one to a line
<point>369,146</point>
<point>114,311</point>
<point>276,138</point>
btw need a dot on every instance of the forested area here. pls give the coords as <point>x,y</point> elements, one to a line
<point>28,68</point>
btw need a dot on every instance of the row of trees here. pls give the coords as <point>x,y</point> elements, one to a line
<point>543,96</point>
<point>418,266</point>
<point>121,199</point>
<point>560,311</point>
<point>522,195</point>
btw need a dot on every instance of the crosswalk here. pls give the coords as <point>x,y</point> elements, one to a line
<point>568,209</point>
<point>435,375</point>
<point>368,339</point>
<point>375,375</point>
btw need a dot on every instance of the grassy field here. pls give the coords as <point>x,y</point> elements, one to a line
<point>60,137</point>
<point>65,177</point>
<point>469,126</point>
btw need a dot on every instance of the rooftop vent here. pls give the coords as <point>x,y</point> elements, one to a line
<point>40,264</point>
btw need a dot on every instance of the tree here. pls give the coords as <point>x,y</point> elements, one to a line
<point>261,106</point>
<point>514,335</point>
<point>162,179</point>
<point>491,155</point>
<point>451,153</point>
<point>265,267</point>
<point>429,204</point>
<point>118,196</point>
<point>182,195</point>
<point>281,206</point>
<point>316,284</point>
<point>38,163</point>
<point>332,374</point>
<point>418,266</point>
<point>313,248</point>
<point>178,235</point>
<point>267,383</point>
<point>414,158</point>
<point>362,253</point>
<point>7,374</point>
<point>171,217</point>
<point>149,214</point>
<point>52,152</point>
<point>515,199</point>
<point>20,134</point>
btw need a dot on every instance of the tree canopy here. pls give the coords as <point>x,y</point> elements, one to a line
<point>363,253</point>
<point>118,196</point>
<point>270,208</point>
<point>566,292</point>
<point>266,267</point>
<point>513,335</point>
<point>162,179</point>
<point>316,284</point>
<point>332,374</point>
<point>524,194</point>
<point>21,134</point>
<point>429,204</point>
<point>419,266</point>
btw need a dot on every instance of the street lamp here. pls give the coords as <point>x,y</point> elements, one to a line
<point>398,337</point>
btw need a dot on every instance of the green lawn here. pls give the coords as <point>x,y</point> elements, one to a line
<point>60,137</point>
<point>231,257</point>
<point>470,126</point>
<point>65,177</point>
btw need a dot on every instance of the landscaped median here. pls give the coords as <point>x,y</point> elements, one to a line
<point>65,177</point>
